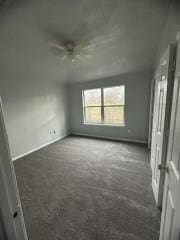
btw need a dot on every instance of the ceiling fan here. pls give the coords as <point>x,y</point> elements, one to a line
<point>84,49</point>
<point>71,50</point>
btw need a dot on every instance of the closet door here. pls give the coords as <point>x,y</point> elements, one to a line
<point>162,106</point>
<point>12,221</point>
<point>170,220</point>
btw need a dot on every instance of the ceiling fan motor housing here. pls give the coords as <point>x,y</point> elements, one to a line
<point>70,47</point>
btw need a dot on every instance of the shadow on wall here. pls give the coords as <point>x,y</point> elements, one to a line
<point>36,112</point>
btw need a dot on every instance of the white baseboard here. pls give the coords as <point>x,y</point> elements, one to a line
<point>42,146</point>
<point>109,138</point>
<point>78,134</point>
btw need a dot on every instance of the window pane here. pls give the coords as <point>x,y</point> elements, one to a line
<point>114,115</point>
<point>92,97</point>
<point>93,114</point>
<point>114,96</point>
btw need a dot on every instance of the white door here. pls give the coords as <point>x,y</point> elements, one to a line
<point>170,220</point>
<point>162,104</point>
<point>151,112</point>
<point>12,225</point>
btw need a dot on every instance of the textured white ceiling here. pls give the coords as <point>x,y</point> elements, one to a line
<point>124,35</point>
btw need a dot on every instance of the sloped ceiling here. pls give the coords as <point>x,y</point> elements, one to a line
<point>126,34</point>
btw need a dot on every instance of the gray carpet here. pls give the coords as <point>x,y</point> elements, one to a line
<point>88,189</point>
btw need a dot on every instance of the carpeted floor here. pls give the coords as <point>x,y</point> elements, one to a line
<point>88,189</point>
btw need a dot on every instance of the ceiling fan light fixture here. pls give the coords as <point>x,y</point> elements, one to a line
<point>71,49</point>
<point>69,46</point>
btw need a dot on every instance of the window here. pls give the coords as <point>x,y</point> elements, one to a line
<point>104,105</point>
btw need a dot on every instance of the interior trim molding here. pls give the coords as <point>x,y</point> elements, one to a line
<point>79,134</point>
<point>109,138</point>
<point>42,146</point>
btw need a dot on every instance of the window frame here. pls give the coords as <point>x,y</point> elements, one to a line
<point>102,106</point>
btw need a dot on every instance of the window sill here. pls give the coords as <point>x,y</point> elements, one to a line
<point>105,125</point>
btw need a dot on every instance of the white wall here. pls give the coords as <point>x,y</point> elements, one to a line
<point>34,109</point>
<point>172,26</point>
<point>137,96</point>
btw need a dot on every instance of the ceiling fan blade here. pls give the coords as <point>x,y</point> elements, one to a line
<point>64,57</point>
<point>79,57</point>
<point>57,46</point>
<point>88,56</point>
<point>83,44</point>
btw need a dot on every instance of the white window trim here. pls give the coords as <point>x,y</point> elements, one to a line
<point>102,108</point>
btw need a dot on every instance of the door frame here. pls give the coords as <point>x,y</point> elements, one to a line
<point>158,192</point>
<point>12,218</point>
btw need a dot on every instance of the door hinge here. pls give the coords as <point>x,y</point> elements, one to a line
<point>163,168</point>
<point>167,133</point>
<point>174,65</point>
<point>15,214</point>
